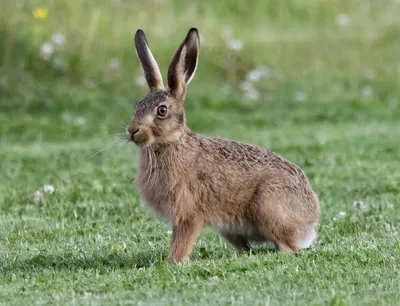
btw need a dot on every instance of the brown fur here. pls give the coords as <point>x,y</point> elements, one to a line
<point>192,181</point>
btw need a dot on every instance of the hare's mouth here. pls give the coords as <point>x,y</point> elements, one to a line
<point>141,139</point>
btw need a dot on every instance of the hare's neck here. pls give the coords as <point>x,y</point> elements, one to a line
<point>169,153</point>
<point>153,155</point>
<point>175,137</point>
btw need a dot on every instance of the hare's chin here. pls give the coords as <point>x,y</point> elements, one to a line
<point>143,141</point>
<point>144,144</point>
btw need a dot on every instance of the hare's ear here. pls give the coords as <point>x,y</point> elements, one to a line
<point>149,64</point>
<point>184,64</point>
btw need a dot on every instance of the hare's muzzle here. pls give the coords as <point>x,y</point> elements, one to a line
<point>132,130</point>
<point>141,135</point>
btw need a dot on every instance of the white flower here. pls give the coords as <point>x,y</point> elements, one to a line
<point>58,39</point>
<point>46,51</point>
<point>339,215</point>
<point>37,197</point>
<point>367,91</point>
<point>359,204</point>
<point>253,75</point>
<point>300,96</point>
<point>256,74</point>
<point>246,86</point>
<point>47,48</point>
<point>48,189</point>
<point>80,120</point>
<point>235,44</point>
<point>141,81</point>
<point>252,94</point>
<point>390,205</point>
<point>97,186</point>
<point>213,279</point>
<point>343,20</point>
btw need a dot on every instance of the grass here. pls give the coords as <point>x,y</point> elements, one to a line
<point>329,104</point>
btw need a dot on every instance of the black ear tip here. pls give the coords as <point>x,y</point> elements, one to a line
<point>140,36</point>
<point>140,33</point>
<point>194,31</point>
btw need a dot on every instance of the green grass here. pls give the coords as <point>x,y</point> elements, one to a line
<point>93,243</point>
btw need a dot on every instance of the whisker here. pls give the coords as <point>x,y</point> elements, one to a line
<point>105,135</point>
<point>150,166</point>
<point>155,173</point>
<point>122,138</point>
<point>126,142</point>
<point>102,150</point>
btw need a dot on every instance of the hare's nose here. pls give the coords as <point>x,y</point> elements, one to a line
<point>135,131</point>
<point>132,129</point>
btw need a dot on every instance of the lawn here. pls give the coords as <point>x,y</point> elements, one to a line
<point>315,81</point>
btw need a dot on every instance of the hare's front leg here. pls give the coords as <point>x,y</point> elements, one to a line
<point>183,237</point>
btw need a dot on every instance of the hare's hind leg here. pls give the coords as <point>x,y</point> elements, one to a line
<point>290,236</point>
<point>308,239</point>
<point>282,222</point>
<point>283,247</point>
<point>305,241</point>
<point>297,241</point>
<point>283,242</point>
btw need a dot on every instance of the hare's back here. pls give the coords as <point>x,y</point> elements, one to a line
<point>249,157</point>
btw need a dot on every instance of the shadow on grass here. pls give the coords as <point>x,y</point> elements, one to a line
<point>109,261</point>
<point>82,261</point>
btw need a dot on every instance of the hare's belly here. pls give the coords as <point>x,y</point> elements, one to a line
<point>249,231</point>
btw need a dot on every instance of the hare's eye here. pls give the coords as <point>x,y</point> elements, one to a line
<point>162,110</point>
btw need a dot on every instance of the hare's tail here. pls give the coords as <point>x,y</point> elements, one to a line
<point>308,240</point>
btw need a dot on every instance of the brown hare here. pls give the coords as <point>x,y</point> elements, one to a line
<point>246,193</point>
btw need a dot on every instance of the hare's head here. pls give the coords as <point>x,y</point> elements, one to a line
<point>160,117</point>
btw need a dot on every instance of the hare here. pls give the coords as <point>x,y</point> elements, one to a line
<point>246,193</point>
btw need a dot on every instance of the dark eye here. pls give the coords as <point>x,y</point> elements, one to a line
<point>162,110</point>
